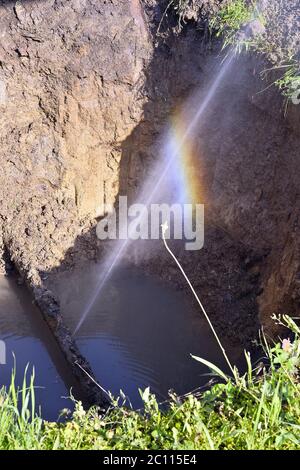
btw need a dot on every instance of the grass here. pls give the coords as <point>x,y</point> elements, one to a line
<point>229,22</point>
<point>231,18</point>
<point>289,82</point>
<point>257,410</point>
<point>20,426</point>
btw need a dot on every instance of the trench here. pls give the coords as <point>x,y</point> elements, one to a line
<point>140,332</point>
<point>93,137</point>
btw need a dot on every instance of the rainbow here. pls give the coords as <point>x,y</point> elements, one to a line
<point>188,170</point>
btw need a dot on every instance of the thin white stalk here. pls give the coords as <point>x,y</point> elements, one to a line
<point>93,380</point>
<point>164,229</point>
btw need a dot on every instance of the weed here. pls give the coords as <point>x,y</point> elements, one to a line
<point>230,22</point>
<point>260,410</point>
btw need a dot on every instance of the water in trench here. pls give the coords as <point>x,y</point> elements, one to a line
<point>26,335</point>
<point>140,332</point>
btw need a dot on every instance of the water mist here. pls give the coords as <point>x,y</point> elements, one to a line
<point>171,150</point>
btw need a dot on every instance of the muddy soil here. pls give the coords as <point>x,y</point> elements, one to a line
<point>71,75</point>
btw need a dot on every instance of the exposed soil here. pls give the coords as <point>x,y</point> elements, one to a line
<point>282,29</point>
<point>85,90</point>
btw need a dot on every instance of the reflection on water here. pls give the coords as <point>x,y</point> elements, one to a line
<point>140,332</point>
<point>27,336</point>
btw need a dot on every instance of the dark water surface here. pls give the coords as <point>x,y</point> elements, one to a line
<point>140,332</point>
<point>27,336</point>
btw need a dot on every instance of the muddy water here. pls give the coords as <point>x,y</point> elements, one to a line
<point>27,336</point>
<point>139,333</point>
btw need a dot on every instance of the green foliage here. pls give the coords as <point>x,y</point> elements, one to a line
<point>232,17</point>
<point>229,22</point>
<point>257,410</point>
<point>20,426</point>
<point>289,82</point>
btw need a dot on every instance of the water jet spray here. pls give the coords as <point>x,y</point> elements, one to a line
<point>171,153</point>
<point>148,193</point>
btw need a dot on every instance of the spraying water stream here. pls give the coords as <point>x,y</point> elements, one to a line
<point>170,153</point>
